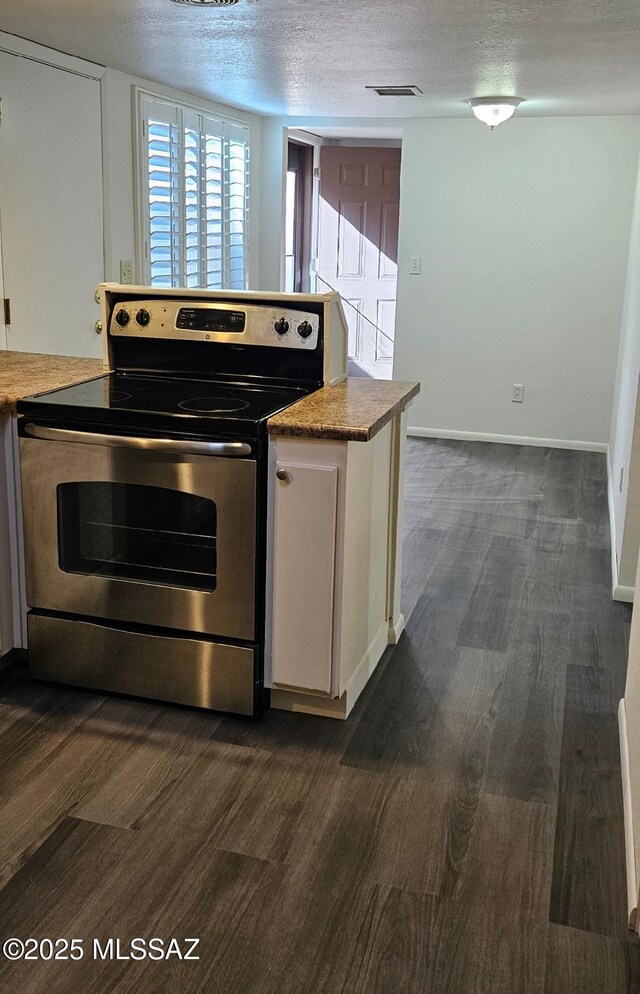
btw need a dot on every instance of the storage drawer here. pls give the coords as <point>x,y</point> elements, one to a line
<point>182,670</point>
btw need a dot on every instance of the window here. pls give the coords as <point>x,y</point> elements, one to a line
<point>193,183</point>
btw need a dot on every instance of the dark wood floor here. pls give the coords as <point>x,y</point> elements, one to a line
<point>461,833</point>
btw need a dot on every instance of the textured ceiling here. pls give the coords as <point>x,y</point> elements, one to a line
<point>302,58</point>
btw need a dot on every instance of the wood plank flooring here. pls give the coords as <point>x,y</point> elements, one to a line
<point>461,833</point>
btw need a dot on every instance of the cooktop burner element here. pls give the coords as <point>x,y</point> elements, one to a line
<point>207,405</point>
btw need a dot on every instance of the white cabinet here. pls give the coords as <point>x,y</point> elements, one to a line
<point>335,566</point>
<point>51,206</point>
<point>304,569</point>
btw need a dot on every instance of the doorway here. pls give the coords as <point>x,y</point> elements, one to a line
<point>299,212</point>
<point>341,231</point>
<point>359,201</point>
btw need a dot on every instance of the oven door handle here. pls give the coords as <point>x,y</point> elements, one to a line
<point>237,449</point>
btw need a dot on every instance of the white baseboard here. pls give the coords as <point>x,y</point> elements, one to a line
<point>477,436</point>
<point>612,528</point>
<point>629,846</point>
<point>620,592</point>
<point>625,594</point>
<point>367,665</point>
<point>308,702</point>
<point>396,629</point>
<point>304,703</point>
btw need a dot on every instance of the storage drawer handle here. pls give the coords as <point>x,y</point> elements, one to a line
<point>130,442</point>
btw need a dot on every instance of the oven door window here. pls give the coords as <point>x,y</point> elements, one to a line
<point>146,534</point>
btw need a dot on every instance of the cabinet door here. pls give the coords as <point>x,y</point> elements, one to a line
<point>51,206</point>
<point>304,568</point>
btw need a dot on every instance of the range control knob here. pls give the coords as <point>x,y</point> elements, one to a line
<point>122,317</point>
<point>305,330</point>
<point>281,326</point>
<point>143,317</point>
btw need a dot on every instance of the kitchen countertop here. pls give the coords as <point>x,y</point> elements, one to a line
<point>354,410</point>
<point>25,373</point>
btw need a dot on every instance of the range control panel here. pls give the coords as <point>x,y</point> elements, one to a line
<point>202,319</point>
<point>246,324</point>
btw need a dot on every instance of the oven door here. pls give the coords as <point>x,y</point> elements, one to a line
<point>141,530</point>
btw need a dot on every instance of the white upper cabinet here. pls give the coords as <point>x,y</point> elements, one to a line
<point>51,199</point>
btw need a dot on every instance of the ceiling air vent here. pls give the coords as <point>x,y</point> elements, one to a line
<point>396,91</point>
<point>206,3</point>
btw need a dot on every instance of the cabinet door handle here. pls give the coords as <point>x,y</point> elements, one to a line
<point>282,474</point>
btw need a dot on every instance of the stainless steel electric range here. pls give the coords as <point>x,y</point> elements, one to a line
<point>145,493</point>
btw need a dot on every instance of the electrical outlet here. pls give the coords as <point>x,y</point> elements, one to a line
<point>415,265</point>
<point>126,271</point>
<point>517,393</point>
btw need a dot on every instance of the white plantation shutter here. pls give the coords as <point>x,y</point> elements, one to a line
<point>194,197</point>
<point>162,182</point>
<point>237,173</point>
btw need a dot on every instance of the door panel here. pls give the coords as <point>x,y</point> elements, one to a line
<point>350,241</point>
<point>353,315</point>
<point>386,319</point>
<point>391,176</point>
<point>304,566</point>
<point>388,240</point>
<point>51,206</point>
<point>358,245</point>
<point>353,174</point>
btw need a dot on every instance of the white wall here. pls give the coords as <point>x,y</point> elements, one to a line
<point>624,507</point>
<point>118,167</point>
<point>272,197</point>
<point>524,236</point>
<point>624,449</point>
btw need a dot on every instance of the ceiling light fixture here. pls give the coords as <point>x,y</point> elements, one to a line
<point>494,110</point>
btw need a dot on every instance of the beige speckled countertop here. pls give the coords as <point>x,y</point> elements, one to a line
<point>354,410</point>
<point>24,373</point>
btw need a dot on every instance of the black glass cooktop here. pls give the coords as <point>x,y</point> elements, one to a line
<point>184,403</point>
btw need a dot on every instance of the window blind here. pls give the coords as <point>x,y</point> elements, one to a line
<point>194,197</point>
